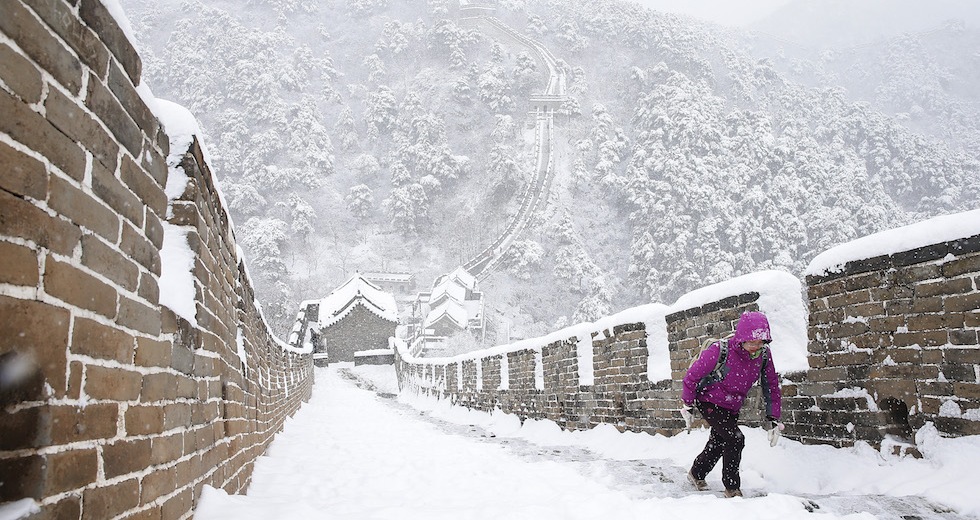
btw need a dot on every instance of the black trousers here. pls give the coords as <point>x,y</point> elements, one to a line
<point>725,442</point>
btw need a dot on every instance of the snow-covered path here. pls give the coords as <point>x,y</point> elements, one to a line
<point>356,452</point>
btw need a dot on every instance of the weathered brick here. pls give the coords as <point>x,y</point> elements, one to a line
<point>123,457</point>
<point>69,284</point>
<point>135,245</point>
<point>137,316</point>
<point>923,339</point>
<point>154,160</point>
<point>114,193</point>
<point>166,449</point>
<point>963,302</point>
<point>157,484</point>
<point>20,75</point>
<point>69,470</point>
<point>94,339</point>
<point>107,108</point>
<point>122,87</point>
<point>83,209</point>
<point>961,266</point>
<point>153,353</point>
<point>154,230</point>
<point>82,423</point>
<point>144,420</point>
<point>935,321</point>
<point>109,262</point>
<point>110,501</point>
<point>114,384</point>
<point>68,508</point>
<point>962,355</point>
<point>159,387</point>
<point>176,506</point>
<point>96,16</point>
<point>18,265</point>
<point>40,331</point>
<point>66,115</point>
<point>24,478</point>
<point>944,287</point>
<point>930,304</point>
<point>20,218</point>
<point>43,47</point>
<point>963,337</point>
<point>22,175</point>
<point>34,131</point>
<point>149,289</point>
<point>144,186</point>
<point>967,390</point>
<point>57,14</point>
<point>22,429</point>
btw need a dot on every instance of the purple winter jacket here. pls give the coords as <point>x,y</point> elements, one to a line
<point>743,371</point>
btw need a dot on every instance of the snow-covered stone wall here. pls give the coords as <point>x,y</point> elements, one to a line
<point>122,391</point>
<point>887,342</point>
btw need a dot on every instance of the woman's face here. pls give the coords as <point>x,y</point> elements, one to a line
<point>752,346</point>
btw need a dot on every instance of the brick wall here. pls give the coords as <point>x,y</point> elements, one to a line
<point>899,332</point>
<point>111,406</point>
<point>359,330</point>
<point>893,344</point>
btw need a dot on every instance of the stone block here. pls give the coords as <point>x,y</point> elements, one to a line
<point>927,304</point>
<point>124,457</point>
<point>94,339</point>
<point>143,185</point>
<point>24,477</point>
<point>962,303</point>
<point>58,15</point>
<point>112,383</point>
<point>134,244</point>
<point>963,337</point>
<point>166,449</point>
<point>18,265</point>
<point>923,339</point>
<point>158,387</point>
<point>40,332</point>
<point>92,422</point>
<point>138,316</point>
<point>76,287</point>
<point>20,75</point>
<point>960,266</point>
<point>944,287</point>
<point>23,175</point>
<point>83,209</point>
<point>157,484</point>
<point>106,107</point>
<point>114,193</point>
<point>122,87</point>
<point>43,47</point>
<point>110,500</point>
<point>153,353</point>
<point>37,133</point>
<point>20,218</point>
<point>96,16</point>
<point>70,470</point>
<point>144,420</point>
<point>66,115</point>
<point>109,262</point>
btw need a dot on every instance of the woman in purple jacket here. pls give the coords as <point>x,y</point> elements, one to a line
<point>720,402</point>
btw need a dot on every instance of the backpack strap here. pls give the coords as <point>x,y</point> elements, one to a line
<point>720,370</point>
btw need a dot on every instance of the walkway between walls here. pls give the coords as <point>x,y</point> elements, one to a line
<point>356,451</point>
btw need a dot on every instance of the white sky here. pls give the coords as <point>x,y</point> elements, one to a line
<point>724,12</point>
<point>414,458</point>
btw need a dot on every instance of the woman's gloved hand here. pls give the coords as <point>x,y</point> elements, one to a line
<point>775,429</point>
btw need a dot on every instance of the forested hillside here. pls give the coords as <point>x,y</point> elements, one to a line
<point>380,134</point>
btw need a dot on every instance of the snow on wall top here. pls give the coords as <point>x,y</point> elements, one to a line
<point>357,291</point>
<point>936,230</point>
<point>780,297</point>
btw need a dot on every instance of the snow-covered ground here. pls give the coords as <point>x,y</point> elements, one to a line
<point>358,450</point>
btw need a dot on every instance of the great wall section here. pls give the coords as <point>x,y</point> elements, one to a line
<point>114,406</point>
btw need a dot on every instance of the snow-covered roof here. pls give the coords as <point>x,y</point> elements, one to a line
<point>460,276</point>
<point>454,310</point>
<point>926,233</point>
<point>357,291</point>
<point>455,291</point>
<point>375,276</point>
